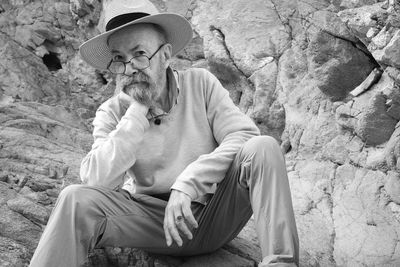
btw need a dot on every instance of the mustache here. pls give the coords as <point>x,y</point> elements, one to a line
<point>139,86</point>
<point>135,78</point>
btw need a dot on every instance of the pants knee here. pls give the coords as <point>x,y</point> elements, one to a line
<point>72,191</point>
<point>77,197</point>
<point>261,147</point>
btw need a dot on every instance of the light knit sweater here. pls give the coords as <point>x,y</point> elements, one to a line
<point>190,151</point>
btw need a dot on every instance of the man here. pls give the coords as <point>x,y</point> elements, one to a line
<point>199,165</point>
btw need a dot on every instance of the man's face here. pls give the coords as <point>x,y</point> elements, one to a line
<point>142,39</point>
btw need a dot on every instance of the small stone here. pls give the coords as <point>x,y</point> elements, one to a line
<point>372,32</point>
<point>23,181</point>
<point>32,211</point>
<point>52,174</point>
<point>65,170</point>
<point>52,192</point>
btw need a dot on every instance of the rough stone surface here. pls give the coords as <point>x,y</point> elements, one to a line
<point>369,114</point>
<point>289,65</point>
<point>362,214</point>
<point>32,211</point>
<point>392,150</point>
<point>12,253</point>
<point>392,186</point>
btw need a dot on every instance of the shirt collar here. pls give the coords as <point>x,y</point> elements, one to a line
<point>173,92</point>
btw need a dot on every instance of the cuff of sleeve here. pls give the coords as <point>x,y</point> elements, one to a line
<point>135,112</point>
<point>185,188</point>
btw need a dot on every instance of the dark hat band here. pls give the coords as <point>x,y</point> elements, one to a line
<point>124,19</point>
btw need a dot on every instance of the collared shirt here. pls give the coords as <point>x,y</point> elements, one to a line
<point>190,150</point>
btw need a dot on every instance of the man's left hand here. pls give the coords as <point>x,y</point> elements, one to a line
<point>178,217</point>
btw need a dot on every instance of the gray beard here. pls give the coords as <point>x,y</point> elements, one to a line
<point>140,88</point>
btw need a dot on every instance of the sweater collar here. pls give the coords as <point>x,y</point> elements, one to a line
<point>173,92</point>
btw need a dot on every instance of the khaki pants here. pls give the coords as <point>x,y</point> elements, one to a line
<point>87,217</point>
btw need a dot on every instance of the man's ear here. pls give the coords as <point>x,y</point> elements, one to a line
<point>167,54</point>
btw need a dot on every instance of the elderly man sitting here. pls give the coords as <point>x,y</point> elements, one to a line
<point>199,165</point>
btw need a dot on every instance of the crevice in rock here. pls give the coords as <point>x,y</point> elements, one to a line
<point>269,62</point>
<point>331,205</point>
<point>52,61</point>
<point>219,31</point>
<point>297,140</point>
<point>358,44</point>
<point>9,37</point>
<point>289,30</point>
<point>101,78</point>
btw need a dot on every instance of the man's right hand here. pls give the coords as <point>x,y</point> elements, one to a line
<point>178,217</point>
<point>128,101</point>
<point>139,107</point>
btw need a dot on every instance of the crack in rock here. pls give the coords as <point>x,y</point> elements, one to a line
<point>228,52</point>
<point>285,23</point>
<point>331,206</point>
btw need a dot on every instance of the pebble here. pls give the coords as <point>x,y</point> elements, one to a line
<point>52,174</point>
<point>22,182</point>
<point>52,192</point>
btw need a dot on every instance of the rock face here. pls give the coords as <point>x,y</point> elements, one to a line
<point>322,77</point>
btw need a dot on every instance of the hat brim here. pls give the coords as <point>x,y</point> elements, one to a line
<point>177,29</point>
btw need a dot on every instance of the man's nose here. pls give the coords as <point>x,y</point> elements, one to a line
<point>130,69</point>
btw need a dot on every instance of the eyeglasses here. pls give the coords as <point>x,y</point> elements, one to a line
<point>140,62</point>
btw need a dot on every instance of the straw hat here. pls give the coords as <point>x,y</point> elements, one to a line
<point>122,13</point>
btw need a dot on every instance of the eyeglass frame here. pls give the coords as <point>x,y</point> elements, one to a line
<point>130,61</point>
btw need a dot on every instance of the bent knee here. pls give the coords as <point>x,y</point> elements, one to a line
<point>79,199</point>
<point>79,193</point>
<point>72,190</point>
<point>261,144</point>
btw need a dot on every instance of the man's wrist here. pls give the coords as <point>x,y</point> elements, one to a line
<point>180,191</point>
<point>138,107</point>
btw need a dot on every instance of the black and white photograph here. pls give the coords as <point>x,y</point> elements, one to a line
<point>199,133</point>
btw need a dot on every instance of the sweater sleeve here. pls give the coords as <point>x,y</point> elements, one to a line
<point>114,148</point>
<point>231,129</point>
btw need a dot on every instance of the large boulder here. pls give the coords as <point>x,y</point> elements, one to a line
<point>373,115</point>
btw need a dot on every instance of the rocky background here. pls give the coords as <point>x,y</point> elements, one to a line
<point>321,76</point>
